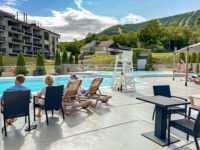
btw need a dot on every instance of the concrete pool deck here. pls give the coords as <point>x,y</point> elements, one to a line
<point>116,126</point>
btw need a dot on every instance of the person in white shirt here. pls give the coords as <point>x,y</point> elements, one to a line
<point>49,80</point>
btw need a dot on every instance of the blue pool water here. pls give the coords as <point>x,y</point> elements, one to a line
<point>36,84</point>
<point>136,73</point>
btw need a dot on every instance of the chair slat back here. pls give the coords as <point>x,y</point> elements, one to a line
<point>72,88</point>
<point>16,103</point>
<point>53,97</point>
<point>163,90</point>
<point>196,129</point>
<point>94,86</point>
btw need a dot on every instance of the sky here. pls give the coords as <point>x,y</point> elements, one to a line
<point>74,19</point>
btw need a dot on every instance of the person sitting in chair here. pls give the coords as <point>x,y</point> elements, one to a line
<point>49,80</point>
<point>17,87</point>
<point>80,90</point>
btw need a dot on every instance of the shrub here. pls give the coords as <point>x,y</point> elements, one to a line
<point>76,58</point>
<point>197,68</point>
<point>181,57</point>
<point>40,69</point>
<point>20,69</point>
<point>193,59</point>
<point>134,59</point>
<point>149,64</point>
<point>1,63</point>
<point>58,63</point>
<point>198,58</point>
<point>191,65</point>
<point>65,59</point>
<point>71,59</point>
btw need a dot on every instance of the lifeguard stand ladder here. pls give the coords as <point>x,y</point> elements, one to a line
<point>124,64</point>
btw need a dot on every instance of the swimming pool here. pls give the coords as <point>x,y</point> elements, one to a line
<point>136,73</point>
<point>36,84</point>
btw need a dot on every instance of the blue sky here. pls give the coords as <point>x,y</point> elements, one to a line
<point>75,18</point>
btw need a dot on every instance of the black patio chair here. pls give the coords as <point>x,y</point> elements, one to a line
<point>53,100</point>
<point>164,90</point>
<point>16,104</point>
<point>188,125</point>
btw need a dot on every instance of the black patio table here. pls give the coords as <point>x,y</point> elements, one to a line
<point>162,104</point>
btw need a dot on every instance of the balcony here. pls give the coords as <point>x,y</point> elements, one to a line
<point>17,29</point>
<point>28,33</point>
<point>2,39</point>
<point>29,52</point>
<point>37,44</point>
<point>28,43</point>
<point>3,50</point>
<point>16,51</point>
<point>37,35</point>
<point>2,27</point>
<point>17,40</point>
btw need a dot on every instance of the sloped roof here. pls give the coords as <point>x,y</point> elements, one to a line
<point>88,45</point>
<point>105,43</point>
<point>195,48</point>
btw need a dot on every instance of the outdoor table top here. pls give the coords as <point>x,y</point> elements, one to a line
<point>162,101</point>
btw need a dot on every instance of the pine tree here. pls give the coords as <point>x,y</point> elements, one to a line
<point>149,64</point>
<point>40,69</point>
<point>197,68</point>
<point>197,63</point>
<point>193,59</point>
<point>191,65</point>
<point>71,59</point>
<point>1,63</point>
<point>181,57</point>
<point>20,69</point>
<point>76,58</point>
<point>58,63</point>
<point>134,59</point>
<point>65,57</point>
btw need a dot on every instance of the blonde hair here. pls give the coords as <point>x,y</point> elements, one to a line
<point>49,80</point>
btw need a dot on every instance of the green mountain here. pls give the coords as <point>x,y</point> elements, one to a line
<point>186,19</point>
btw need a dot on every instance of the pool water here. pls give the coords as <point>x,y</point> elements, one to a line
<point>136,73</point>
<point>36,84</point>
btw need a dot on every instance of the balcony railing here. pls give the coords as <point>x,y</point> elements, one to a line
<point>17,51</point>
<point>17,40</point>
<point>17,29</point>
<point>28,33</point>
<point>38,44</point>
<point>28,43</point>
<point>29,52</point>
<point>2,27</point>
<point>2,39</point>
<point>37,35</point>
<point>3,50</point>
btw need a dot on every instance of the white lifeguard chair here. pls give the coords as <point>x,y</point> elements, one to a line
<point>124,64</point>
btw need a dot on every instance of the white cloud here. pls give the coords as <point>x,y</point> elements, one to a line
<point>78,3</point>
<point>11,2</point>
<point>132,19</point>
<point>73,23</point>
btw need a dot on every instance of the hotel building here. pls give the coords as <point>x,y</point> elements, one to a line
<point>19,36</point>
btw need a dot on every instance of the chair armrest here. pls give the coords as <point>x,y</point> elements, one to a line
<point>187,116</point>
<point>179,98</point>
<point>38,97</point>
<point>194,108</point>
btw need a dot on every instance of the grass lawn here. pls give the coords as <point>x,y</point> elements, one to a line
<point>163,58</point>
<point>13,60</point>
<point>99,59</point>
<point>158,58</point>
